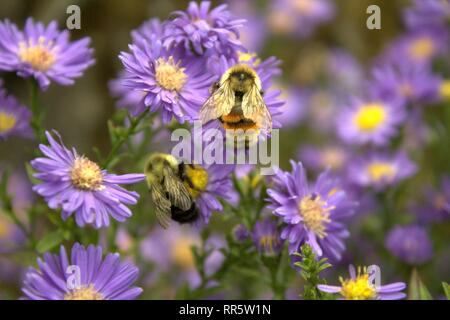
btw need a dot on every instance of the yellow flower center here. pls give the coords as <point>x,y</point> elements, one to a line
<point>358,288</point>
<point>197,180</point>
<point>39,56</point>
<point>169,74</point>
<point>248,56</point>
<point>370,116</point>
<point>7,121</point>
<point>315,214</point>
<point>381,171</point>
<point>268,242</point>
<point>182,255</point>
<point>84,293</point>
<point>422,48</point>
<point>86,175</point>
<point>444,89</point>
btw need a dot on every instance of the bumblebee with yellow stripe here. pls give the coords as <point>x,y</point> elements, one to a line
<point>237,101</point>
<point>174,186</point>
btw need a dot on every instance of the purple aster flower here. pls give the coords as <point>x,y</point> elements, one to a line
<point>44,53</point>
<point>203,31</point>
<point>405,83</point>
<point>172,249</point>
<point>418,47</point>
<point>360,287</point>
<point>14,117</point>
<point>320,158</point>
<point>343,70</point>
<point>436,203</point>
<point>381,170</point>
<point>76,184</point>
<point>266,237</point>
<point>369,121</point>
<point>299,17</point>
<point>410,244</point>
<point>168,80</point>
<point>427,14</point>
<point>313,213</point>
<point>83,276</point>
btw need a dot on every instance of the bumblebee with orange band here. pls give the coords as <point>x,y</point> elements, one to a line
<point>237,101</point>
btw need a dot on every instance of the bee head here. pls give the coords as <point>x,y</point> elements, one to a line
<point>241,78</point>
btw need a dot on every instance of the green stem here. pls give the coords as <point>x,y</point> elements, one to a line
<point>36,119</point>
<point>123,138</point>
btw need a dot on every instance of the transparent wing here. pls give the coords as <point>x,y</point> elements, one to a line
<point>162,205</point>
<point>218,104</point>
<point>254,108</point>
<point>178,195</point>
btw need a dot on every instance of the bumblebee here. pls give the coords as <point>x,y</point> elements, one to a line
<point>174,186</point>
<point>237,101</point>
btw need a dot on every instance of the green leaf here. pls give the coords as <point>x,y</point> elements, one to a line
<point>49,241</point>
<point>446,290</point>
<point>417,290</point>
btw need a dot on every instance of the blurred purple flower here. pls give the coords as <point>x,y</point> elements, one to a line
<point>266,237</point>
<point>314,213</point>
<point>410,244</point>
<point>380,170</point>
<point>241,233</point>
<point>14,117</point>
<point>343,71</point>
<point>295,107</point>
<point>172,249</point>
<point>299,17</point>
<point>405,83</point>
<point>319,158</point>
<point>76,184</point>
<point>417,47</point>
<point>369,121</point>
<point>359,287</point>
<point>100,279</point>
<point>427,14</point>
<point>44,53</point>
<point>204,31</point>
<point>436,203</point>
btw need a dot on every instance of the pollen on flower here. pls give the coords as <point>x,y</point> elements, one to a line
<point>381,171</point>
<point>182,254</point>
<point>334,158</point>
<point>422,48</point>
<point>7,121</point>
<point>358,288</point>
<point>268,242</point>
<point>197,180</point>
<point>370,116</point>
<point>84,293</point>
<point>169,74</point>
<point>39,56</point>
<point>315,214</point>
<point>248,56</point>
<point>86,174</point>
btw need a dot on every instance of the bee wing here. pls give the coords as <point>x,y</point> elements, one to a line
<point>177,192</point>
<point>254,108</point>
<point>162,205</point>
<point>218,104</point>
